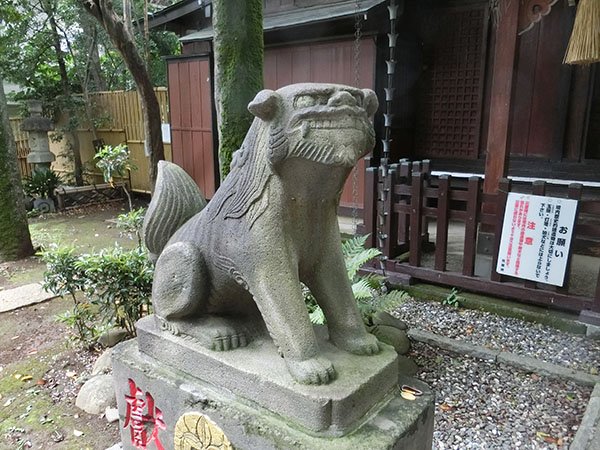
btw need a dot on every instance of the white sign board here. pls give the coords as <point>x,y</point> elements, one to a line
<point>536,236</point>
<point>165,128</point>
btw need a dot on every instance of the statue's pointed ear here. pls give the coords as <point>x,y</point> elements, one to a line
<point>265,105</point>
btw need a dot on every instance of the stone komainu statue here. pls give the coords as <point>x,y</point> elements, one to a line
<point>228,269</point>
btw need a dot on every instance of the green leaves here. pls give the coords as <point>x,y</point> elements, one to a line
<point>356,255</point>
<point>41,183</point>
<point>116,283</point>
<point>114,161</point>
<point>370,291</point>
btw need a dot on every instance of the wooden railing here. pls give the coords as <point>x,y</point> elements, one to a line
<point>414,197</point>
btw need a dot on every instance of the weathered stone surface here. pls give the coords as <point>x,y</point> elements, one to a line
<point>103,363</point>
<point>112,337</point>
<point>393,336</point>
<point>394,423</point>
<point>588,434</point>
<point>23,296</point>
<point>407,367</point>
<point>96,394</point>
<point>453,345</point>
<point>548,369</point>
<point>385,318</point>
<point>259,374</point>
<point>236,266</point>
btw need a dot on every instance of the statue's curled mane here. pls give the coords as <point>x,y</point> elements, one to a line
<point>242,190</point>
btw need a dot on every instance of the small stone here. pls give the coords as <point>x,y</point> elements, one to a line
<point>111,414</point>
<point>384,318</point>
<point>393,336</point>
<point>112,337</point>
<point>103,363</point>
<point>96,394</point>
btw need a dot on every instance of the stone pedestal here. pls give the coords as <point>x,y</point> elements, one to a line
<point>249,395</point>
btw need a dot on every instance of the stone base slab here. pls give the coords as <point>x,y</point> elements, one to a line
<point>152,396</point>
<point>259,374</point>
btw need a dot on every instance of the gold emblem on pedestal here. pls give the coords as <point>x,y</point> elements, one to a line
<point>195,431</point>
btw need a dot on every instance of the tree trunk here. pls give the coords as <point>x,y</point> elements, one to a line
<point>15,241</point>
<point>239,49</point>
<point>95,69</point>
<point>64,79</point>
<point>124,42</point>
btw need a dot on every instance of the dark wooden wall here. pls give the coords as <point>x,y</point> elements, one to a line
<point>190,107</point>
<point>541,87</point>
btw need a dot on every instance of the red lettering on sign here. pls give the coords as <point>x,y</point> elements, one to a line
<point>139,422</point>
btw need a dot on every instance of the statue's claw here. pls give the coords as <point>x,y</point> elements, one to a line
<point>311,371</point>
<point>366,344</point>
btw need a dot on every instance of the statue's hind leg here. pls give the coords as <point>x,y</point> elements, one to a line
<point>179,294</point>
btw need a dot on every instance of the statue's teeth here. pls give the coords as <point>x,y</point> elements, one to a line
<point>305,128</point>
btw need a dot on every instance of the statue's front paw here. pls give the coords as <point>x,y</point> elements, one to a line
<point>311,371</point>
<point>365,344</point>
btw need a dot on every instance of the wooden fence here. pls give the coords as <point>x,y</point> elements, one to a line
<point>411,197</point>
<point>22,143</point>
<point>120,117</point>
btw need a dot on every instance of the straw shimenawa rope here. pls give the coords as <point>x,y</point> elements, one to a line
<point>584,45</point>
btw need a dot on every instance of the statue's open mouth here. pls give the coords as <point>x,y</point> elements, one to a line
<point>331,118</point>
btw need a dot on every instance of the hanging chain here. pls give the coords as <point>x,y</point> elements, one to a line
<point>383,193</point>
<point>357,37</point>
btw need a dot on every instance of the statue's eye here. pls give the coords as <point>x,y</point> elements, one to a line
<point>359,100</point>
<point>322,99</point>
<point>304,101</point>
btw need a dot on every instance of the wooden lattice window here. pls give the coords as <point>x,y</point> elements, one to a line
<point>451,86</point>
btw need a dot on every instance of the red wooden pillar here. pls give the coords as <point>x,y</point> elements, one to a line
<point>496,162</point>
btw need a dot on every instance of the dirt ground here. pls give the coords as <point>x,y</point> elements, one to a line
<point>40,372</point>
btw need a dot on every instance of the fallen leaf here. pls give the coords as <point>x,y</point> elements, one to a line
<point>17,376</point>
<point>32,352</point>
<point>77,433</point>
<point>546,437</point>
<point>559,442</point>
<point>445,407</point>
<point>8,402</point>
<point>15,337</point>
<point>41,382</point>
<point>534,377</point>
<point>26,377</point>
<point>594,371</point>
<point>469,329</point>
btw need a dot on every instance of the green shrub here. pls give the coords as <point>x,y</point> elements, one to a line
<point>116,285</point>
<point>370,291</point>
<point>115,161</point>
<point>62,277</point>
<point>131,223</point>
<point>41,183</point>
<point>120,282</point>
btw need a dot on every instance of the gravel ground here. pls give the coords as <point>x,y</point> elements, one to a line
<point>488,406</point>
<point>497,332</point>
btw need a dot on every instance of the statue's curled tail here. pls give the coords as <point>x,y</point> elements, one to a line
<point>176,199</point>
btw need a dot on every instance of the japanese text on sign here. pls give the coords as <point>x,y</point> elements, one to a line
<point>140,423</point>
<point>536,236</point>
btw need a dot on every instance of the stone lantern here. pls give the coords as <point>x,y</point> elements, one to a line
<point>38,127</point>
